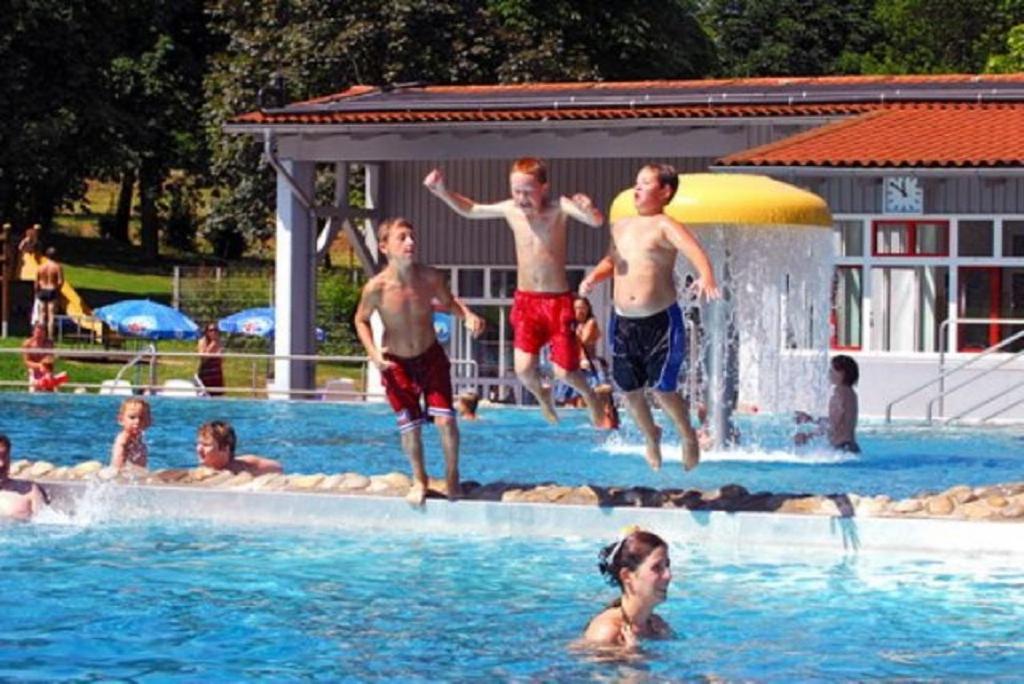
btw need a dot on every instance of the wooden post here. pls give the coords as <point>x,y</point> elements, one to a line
<point>7,267</point>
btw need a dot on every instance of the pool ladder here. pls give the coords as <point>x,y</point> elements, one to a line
<point>943,392</point>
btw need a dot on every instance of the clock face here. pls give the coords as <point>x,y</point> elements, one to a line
<point>902,195</point>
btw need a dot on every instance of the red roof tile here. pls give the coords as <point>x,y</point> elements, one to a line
<point>918,136</point>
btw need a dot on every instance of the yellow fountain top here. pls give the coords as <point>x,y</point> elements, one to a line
<point>736,198</point>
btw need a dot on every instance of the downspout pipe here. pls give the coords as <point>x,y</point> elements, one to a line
<point>271,158</point>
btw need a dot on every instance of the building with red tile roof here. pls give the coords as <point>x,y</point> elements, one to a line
<point>924,176</point>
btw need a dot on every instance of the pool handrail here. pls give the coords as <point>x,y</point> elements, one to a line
<point>943,374</point>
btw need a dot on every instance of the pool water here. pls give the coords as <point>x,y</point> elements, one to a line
<point>516,445</point>
<point>200,602</point>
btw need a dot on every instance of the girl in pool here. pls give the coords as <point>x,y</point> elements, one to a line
<point>129,446</point>
<point>638,564</point>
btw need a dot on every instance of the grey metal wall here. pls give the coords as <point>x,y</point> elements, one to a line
<point>446,238</point>
<point>954,195</point>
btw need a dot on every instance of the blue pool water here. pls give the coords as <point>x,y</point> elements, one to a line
<point>198,602</point>
<point>515,445</point>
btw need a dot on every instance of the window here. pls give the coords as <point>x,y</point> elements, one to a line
<point>845,321</point>
<point>912,306</point>
<point>990,292</point>
<point>503,282</point>
<point>975,238</point>
<point>849,238</point>
<point>471,282</point>
<point>575,277</point>
<point>1013,238</point>
<point>911,238</point>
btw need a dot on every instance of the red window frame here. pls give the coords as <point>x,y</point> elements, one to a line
<point>995,292</point>
<point>911,226</point>
<point>833,319</point>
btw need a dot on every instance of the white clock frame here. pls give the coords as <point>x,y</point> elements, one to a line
<point>902,195</point>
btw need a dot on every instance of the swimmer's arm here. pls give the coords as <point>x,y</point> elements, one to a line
<point>37,499</point>
<point>604,632</point>
<point>682,239</point>
<point>259,465</point>
<point>582,208</point>
<point>461,205</point>
<point>589,333</point>
<point>117,452</point>
<point>603,271</point>
<point>474,323</point>
<point>368,302</point>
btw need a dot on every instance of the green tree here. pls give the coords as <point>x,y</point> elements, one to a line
<point>788,37</point>
<point>155,91</point>
<point>54,113</point>
<point>939,36</point>
<point>324,46</point>
<point>1013,59</point>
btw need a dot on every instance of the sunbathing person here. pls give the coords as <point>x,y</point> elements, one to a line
<point>215,447</point>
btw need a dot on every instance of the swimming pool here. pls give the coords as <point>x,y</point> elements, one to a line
<point>200,602</point>
<point>515,445</point>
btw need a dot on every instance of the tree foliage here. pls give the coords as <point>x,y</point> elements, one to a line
<point>939,36</point>
<point>788,37</point>
<point>323,46</point>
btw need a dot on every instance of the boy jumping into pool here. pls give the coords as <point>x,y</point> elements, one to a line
<point>412,363</point>
<point>646,330</point>
<point>542,311</point>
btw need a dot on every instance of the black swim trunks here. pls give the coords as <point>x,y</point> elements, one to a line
<point>649,351</point>
<point>46,294</point>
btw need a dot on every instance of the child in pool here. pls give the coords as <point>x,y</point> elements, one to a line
<point>841,424</point>
<point>129,446</point>
<point>638,564</point>
<point>215,447</point>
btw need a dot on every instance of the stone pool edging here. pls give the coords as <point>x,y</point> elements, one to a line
<point>994,503</point>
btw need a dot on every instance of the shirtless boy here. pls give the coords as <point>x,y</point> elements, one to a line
<point>49,280</point>
<point>215,448</point>
<point>542,312</point>
<point>19,499</point>
<point>412,363</point>
<point>647,332</point>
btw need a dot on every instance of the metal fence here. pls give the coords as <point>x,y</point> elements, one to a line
<point>209,293</point>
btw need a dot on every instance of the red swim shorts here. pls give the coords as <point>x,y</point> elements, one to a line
<point>540,318</point>
<point>427,375</point>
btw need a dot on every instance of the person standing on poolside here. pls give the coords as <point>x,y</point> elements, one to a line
<point>49,281</point>
<point>412,363</point>
<point>638,564</point>
<point>646,331</point>
<point>19,499</point>
<point>35,350</point>
<point>542,311</point>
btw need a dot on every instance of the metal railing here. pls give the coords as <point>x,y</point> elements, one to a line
<point>255,389</point>
<point>943,374</point>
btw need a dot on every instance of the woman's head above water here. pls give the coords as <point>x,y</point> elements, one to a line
<point>634,552</point>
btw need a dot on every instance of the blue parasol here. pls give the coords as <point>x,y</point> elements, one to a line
<point>258,322</point>
<point>147,319</point>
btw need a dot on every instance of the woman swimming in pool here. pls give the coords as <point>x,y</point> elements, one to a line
<point>638,564</point>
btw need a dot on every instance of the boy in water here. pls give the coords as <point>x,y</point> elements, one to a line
<point>215,448</point>
<point>646,331</point>
<point>411,361</point>
<point>542,312</point>
<point>841,424</point>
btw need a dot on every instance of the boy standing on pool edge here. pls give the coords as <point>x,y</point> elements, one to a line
<point>542,312</point>
<point>647,333</point>
<point>412,363</point>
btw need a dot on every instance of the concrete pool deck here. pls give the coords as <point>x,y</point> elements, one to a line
<point>960,520</point>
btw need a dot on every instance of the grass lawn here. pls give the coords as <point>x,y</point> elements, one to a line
<point>237,372</point>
